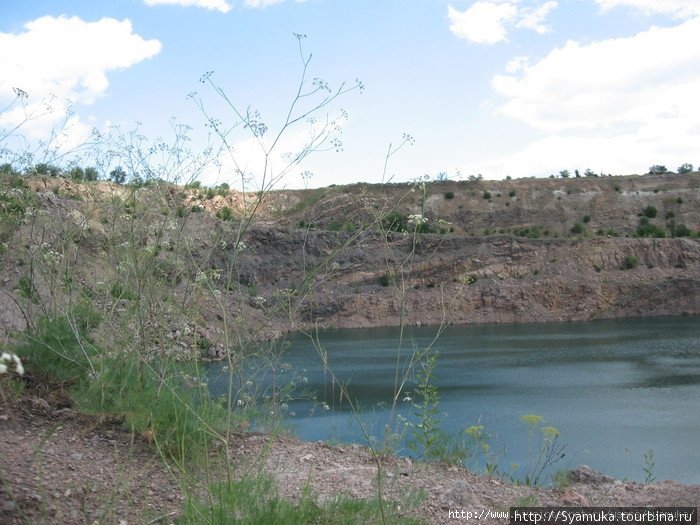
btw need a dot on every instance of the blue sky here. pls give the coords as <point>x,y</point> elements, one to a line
<point>498,87</point>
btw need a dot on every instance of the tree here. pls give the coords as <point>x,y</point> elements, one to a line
<point>577,173</point>
<point>117,175</point>
<point>564,174</point>
<point>90,174</point>
<point>77,173</point>
<point>685,168</point>
<point>589,173</point>
<point>657,169</point>
<point>47,169</point>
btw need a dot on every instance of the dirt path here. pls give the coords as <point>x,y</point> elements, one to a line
<point>57,466</point>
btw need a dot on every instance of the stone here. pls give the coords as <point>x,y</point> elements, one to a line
<point>571,497</point>
<point>585,474</point>
<point>37,402</point>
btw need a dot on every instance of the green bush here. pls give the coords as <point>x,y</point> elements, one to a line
<point>487,195</point>
<point>657,169</point>
<point>685,168</point>
<point>225,213</point>
<point>158,401</point>
<point>577,229</point>
<point>57,352</point>
<point>511,193</point>
<point>387,279</point>
<point>631,261</point>
<point>649,230</point>
<point>649,211</point>
<point>395,221</point>
<point>586,219</point>
<point>449,195</point>
<point>681,230</point>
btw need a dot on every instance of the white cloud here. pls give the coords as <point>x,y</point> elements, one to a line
<point>59,58</point>
<point>213,5</point>
<point>256,4</point>
<point>534,17</point>
<point>517,64</point>
<point>650,76</point>
<point>488,21</point>
<point>676,8</point>
<point>617,105</point>
<point>483,22</point>
<point>621,154</point>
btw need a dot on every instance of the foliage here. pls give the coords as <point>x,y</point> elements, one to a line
<point>486,195</point>
<point>58,350</point>
<point>449,195</point>
<point>683,169</point>
<point>546,453</point>
<point>649,211</point>
<point>649,466</point>
<point>254,500</point>
<point>649,230</point>
<point>225,213</point>
<point>578,229</point>
<point>395,221</point>
<point>387,279</point>
<point>657,169</point>
<point>631,261</point>
<point>118,175</point>
<point>427,436</point>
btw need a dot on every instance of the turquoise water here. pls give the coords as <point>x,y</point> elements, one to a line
<point>614,389</point>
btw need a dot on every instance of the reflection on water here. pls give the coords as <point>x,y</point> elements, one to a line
<point>613,388</point>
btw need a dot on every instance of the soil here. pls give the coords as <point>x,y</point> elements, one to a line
<point>57,466</point>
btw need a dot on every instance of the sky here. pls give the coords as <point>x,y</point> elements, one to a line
<point>494,87</point>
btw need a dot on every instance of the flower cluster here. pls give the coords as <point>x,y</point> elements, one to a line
<point>7,360</point>
<point>417,219</point>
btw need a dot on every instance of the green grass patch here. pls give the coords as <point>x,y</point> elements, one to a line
<point>254,500</point>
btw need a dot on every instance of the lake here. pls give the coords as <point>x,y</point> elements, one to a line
<point>613,389</point>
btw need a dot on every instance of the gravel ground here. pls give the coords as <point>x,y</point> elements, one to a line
<point>57,466</point>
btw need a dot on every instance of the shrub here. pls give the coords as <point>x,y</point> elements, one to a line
<point>679,200</point>
<point>395,221</point>
<point>630,262</point>
<point>650,212</point>
<point>117,175</point>
<point>77,173</point>
<point>56,353</point>
<point>657,169</point>
<point>387,279</point>
<point>577,229</point>
<point>487,195</point>
<point>685,168</point>
<point>225,213</point>
<point>449,195</point>
<point>90,174</point>
<point>586,219</point>
<point>511,193</point>
<point>681,230</point>
<point>649,230</point>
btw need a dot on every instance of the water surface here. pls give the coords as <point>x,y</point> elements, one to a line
<point>614,389</point>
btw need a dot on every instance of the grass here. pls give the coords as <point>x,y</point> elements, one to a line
<point>255,500</point>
